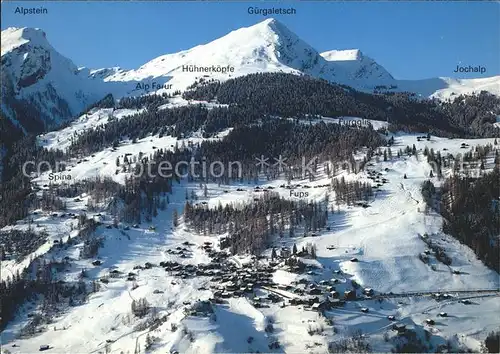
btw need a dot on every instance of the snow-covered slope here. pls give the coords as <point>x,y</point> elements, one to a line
<point>446,87</point>
<point>32,70</point>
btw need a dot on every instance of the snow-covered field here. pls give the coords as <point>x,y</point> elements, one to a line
<point>383,237</point>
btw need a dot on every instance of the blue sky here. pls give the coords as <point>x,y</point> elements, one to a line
<point>412,40</point>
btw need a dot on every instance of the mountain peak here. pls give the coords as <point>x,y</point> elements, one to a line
<point>14,37</point>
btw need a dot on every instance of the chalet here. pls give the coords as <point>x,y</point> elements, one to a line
<point>312,300</point>
<point>96,262</point>
<point>114,273</point>
<point>365,309</point>
<point>354,259</point>
<point>391,318</point>
<point>44,347</point>
<point>303,281</point>
<point>442,314</point>
<point>430,322</point>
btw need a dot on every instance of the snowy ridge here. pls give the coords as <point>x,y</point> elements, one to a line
<point>358,67</point>
<point>268,46</point>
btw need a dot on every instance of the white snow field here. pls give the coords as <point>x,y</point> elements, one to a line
<point>383,237</point>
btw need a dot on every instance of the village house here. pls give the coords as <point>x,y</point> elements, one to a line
<point>350,295</point>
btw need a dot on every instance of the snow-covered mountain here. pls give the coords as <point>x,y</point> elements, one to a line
<point>358,67</point>
<point>39,80</point>
<point>265,47</point>
<point>268,46</point>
